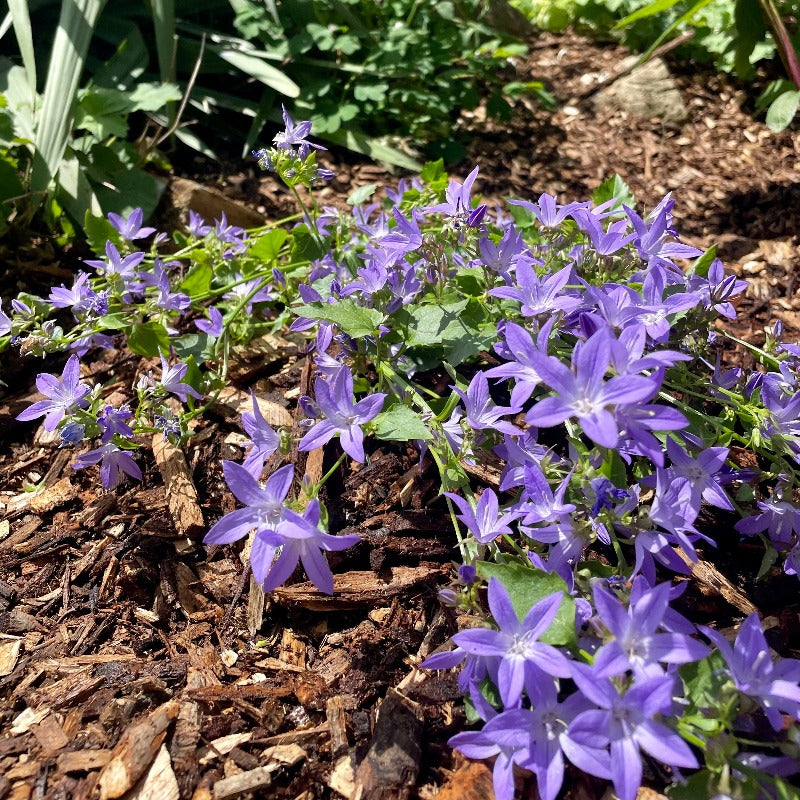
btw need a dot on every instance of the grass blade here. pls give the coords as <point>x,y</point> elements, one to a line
<point>21,20</point>
<point>75,28</point>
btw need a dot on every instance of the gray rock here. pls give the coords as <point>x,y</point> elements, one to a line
<point>648,91</point>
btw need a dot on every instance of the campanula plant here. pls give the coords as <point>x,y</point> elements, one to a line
<point>577,340</point>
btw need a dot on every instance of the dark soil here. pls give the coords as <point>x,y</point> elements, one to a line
<point>136,662</point>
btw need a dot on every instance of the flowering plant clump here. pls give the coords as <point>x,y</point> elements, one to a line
<point>582,352</point>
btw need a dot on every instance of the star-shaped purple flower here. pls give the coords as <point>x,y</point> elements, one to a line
<point>65,394</point>
<point>342,415</point>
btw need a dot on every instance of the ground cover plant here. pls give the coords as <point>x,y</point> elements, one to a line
<point>581,358</point>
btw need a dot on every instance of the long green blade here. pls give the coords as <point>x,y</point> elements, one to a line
<point>75,28</point>
<point>163,12</point>
<point>21,19</point>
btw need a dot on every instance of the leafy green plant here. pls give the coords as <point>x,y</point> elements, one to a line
<point>400,70</point>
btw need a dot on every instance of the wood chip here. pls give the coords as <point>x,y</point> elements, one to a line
<point>181,492</point>
<point>159,783</point>
<point>9,655</point>
<point>470,781</point>
<point>391,765</point>
<point>223,746</point>
<point>359,589</point>
<point>337,724</point>
<point>50,735</point>
<point>135,752</point>
<point>83,760</point>
<point>711,577</point>
<point>237,785</point>
<point>236,402</point>
<point>26,719</point>
<point>59,494</point>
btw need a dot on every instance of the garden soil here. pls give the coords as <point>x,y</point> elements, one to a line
<point>137,663</point>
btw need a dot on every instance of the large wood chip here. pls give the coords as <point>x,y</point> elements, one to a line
<point>9,654</point>
<point>391,765</point>
<point>234,402</point>
<point>181,492</point>
<point>50,735</point>
<point>708,575</point>
<point>337,723</point>
<point>83,760</point>
<point>59,494</point>
<point>66,692</point>
<point>159,783</point>
<point>359,589</point>
<point>183,747</point>
<point>237,785</point>
<point>135,752</point>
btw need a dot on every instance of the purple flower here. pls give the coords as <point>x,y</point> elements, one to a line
<point>115,264</point>
<point>197,225</point>
<point>484,522</point>
<point>131,228</point>
<point>342,414</point>
<point>539,503</point>
<point>265,509</point>
<point>213,325</point>
<point>405,236</point>
<point>264,441</point>
<point>168,300</point>
<point>702,473</point>
<point>637,646</point>
<point>458,203</point>
<point>112,421</point>
<point>294,135</point>
<point>605,242</point>
<point>65,394</point>
<point>549,213</point>
<point>537,295</point>
<point>298,539</point>
<point>773,684</point>
<point>172,380</point>
<point>79,297</point>
<point>779,518</point>
<point>481,412</point>
<point>516,644</point>
<point>504,738</point>
<point>5,322</point>
<point>625,724</point>
<point>115,462</point>
<point>582,392</point>
<point>504,256</point>
<point>519,344</point>
<point>277,528</point>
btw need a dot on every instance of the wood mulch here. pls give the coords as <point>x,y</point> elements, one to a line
<point>137,663</point>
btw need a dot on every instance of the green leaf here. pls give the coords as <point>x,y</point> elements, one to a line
<point>433,171</point>
<point>268,245</point>
<point>198,280</point>
<point>354,320</point>
<point>613,188</point>
<point>782,111</point>
<point>148,339</point>
<point>648,10</point>
<point>163,13</point>
<point>702,265</point>
<point>153,96</point>
<point>21,19</point>
<point>375,149</point>
<point>433,324</point>
<point>98,231</point>
<point>400,423</point>
<point>526,586</point>
<point>257,68</point>
<point>361,194</point>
